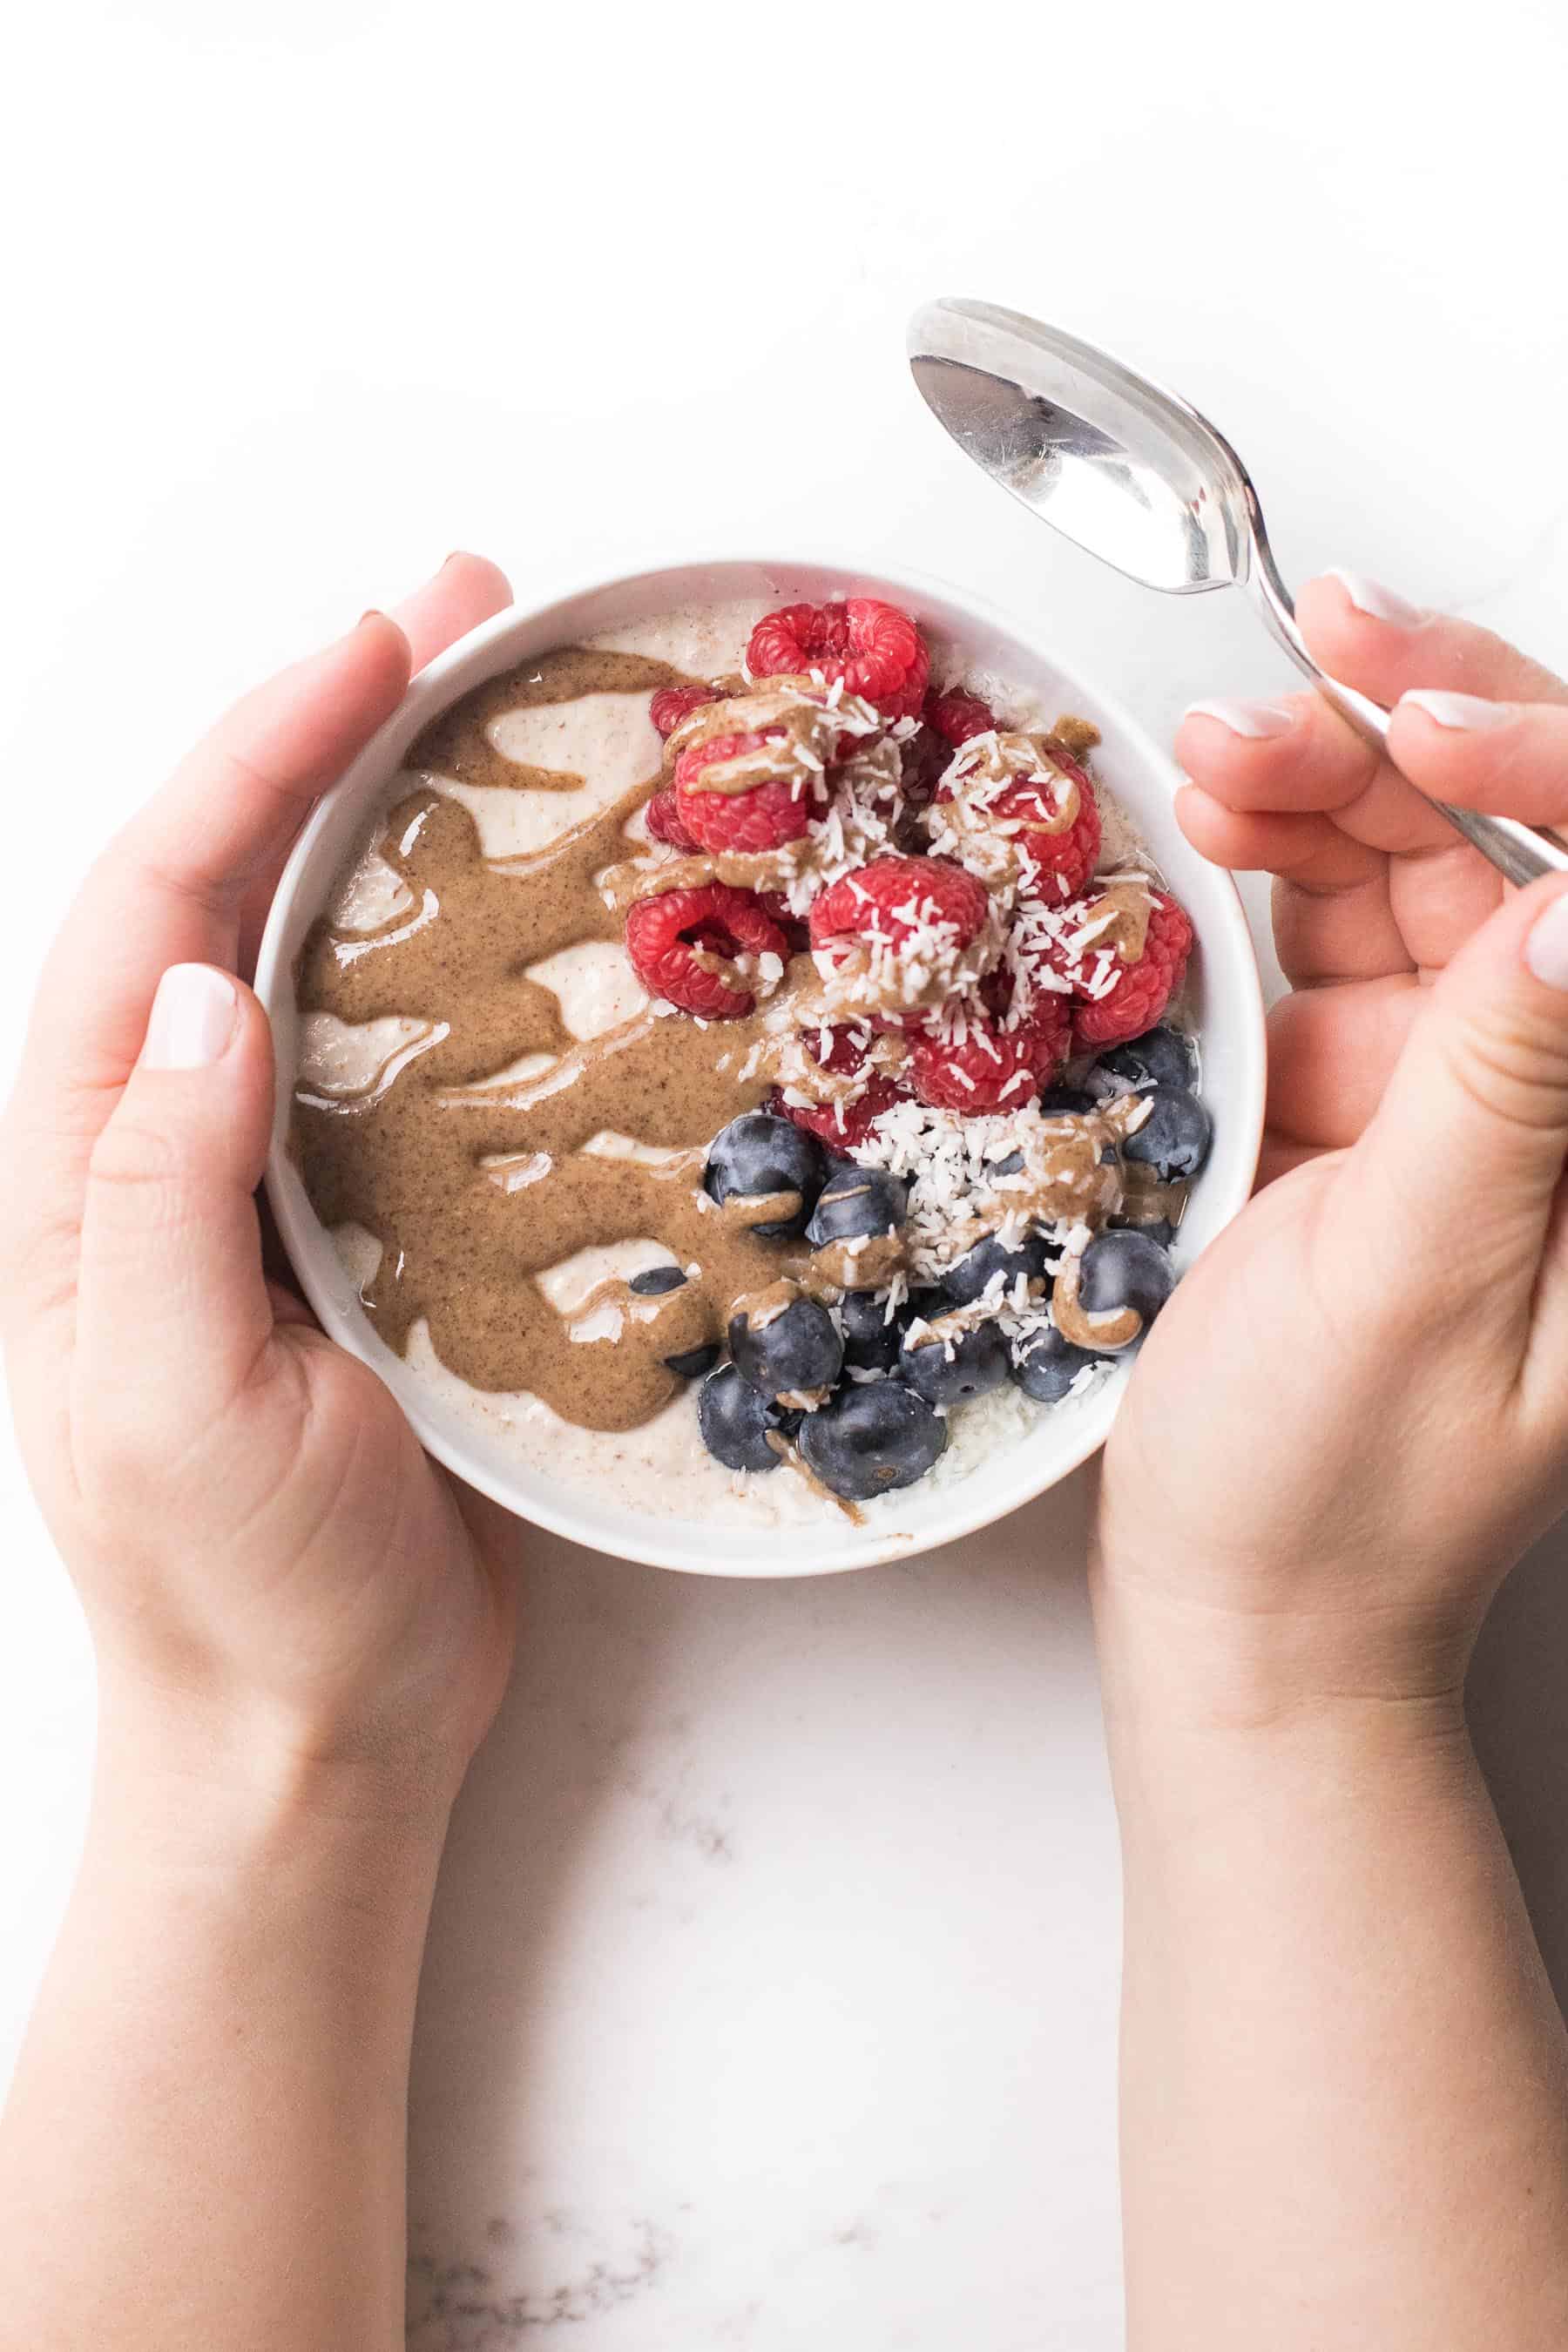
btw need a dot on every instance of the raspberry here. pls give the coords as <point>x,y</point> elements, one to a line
<point>777,908</point>
<point>666,933</point>
<point>664,821</point>
<point>1067,858</point>
<point>774,811</point>
<point>1070,857</point>
<point>993,1069</point>
<point>957,717</point>
<point>888,898</point>
<point>1045,1028</point>
<point>843,1125</point>
<point>1142,991</point>
<point>876,649</point>
<point>671,704</point>
<point>844,1051</point>
<point>920,762</point>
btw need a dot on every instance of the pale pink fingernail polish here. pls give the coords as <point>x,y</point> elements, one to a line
<point>1378,602</point>
<point>192,1020</point>
<point>1546,949</point>
<point>1466,712</point>
<point>1253,719</point>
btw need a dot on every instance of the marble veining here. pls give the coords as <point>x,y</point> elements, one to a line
<point>464,2306</point>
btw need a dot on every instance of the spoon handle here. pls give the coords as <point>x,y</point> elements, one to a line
<point>1521,851</point>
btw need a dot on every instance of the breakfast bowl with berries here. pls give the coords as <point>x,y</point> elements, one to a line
<point>755,1055</point>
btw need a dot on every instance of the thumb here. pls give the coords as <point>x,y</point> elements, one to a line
<point>1472,1132</point>
<point>172,1301</point>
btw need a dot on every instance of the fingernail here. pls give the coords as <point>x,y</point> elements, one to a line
<point>1464,711</point>
<point>1546,949</point>
<point>1378,602</point>
<point>1253,719</point>
<point>371,613</point>
<point>192,1019</point>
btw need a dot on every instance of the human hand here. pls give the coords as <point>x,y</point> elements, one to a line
<point>275,1575</point>
<point>1353,1415</point>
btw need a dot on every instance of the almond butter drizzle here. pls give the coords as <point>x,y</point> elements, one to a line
<point>1118,918</point>
<point>1146,1201</point>
<point>802,734</point>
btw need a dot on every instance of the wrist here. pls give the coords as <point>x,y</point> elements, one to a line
<point>1271,1662</point>
<point>1222,1742</point>
<point>191,1783</point>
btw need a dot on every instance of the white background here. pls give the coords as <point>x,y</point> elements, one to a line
<point>773,1986</point>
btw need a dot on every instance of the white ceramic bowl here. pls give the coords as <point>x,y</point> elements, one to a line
<point>1226,999</point>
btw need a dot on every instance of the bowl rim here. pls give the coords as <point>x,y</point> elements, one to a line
<point>307,1243</point>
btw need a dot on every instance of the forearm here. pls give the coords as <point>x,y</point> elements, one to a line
<point>1345,2078</point>
<point>204,2141</point>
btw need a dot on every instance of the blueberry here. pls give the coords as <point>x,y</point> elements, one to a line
<point>871,1340</point>
<point>655,1281</point>
<point>980,1361</point>
<point>871,1439</point>
<point>692,1362</point>
<point>759,1153</point>
<point>1045,1365</point>
<point>855,1201</point>
<point>787,1353</point>
<point>966,1280</point>
<point>1174,1139</point>
<point>1161,1057</point>
<point>1056,1101</point>
<point>1157,1229</point>
<point>1125,1269</point>
<point>736,1422</point>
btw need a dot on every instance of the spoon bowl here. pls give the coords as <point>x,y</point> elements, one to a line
<point>1134,475</point>
<point>1122,468</point>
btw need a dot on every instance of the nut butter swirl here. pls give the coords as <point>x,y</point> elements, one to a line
<point>475,1188</point>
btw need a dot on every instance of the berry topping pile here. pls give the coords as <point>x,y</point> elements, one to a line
<point>974,1150</point>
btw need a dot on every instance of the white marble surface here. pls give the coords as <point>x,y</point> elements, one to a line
<point>772,1990</point>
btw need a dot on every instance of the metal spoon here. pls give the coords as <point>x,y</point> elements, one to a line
<point>1133,475</point>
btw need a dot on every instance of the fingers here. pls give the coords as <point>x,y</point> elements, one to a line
<point>1308,846</point>
<point>465,591</point>
<point>167,892</point>
<point>1295,755</point>
<point>1459,1167</point>
<point>1304,798</point>
<point>1332,1053</point>
<point>1370,638</point>
<point>1332,915</point>
<point>1280,1158</point>
<point>1306,756</point>
<point>174,888</point>
<point>1508,758</point>
<point>168,889</point>
<point>173,1310</point>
